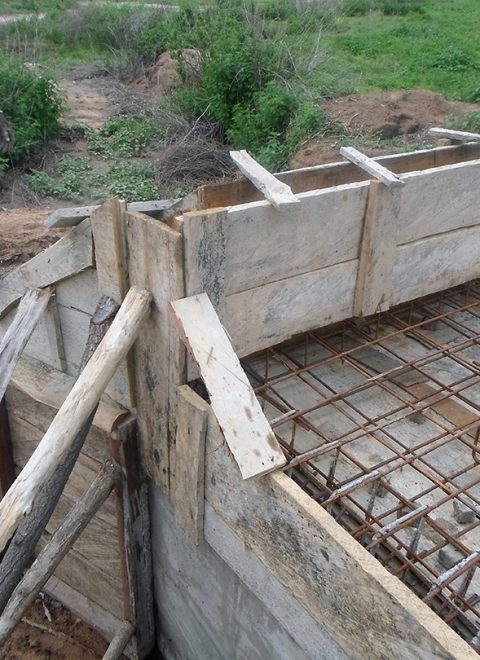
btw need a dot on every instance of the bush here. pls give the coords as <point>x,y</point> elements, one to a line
<point>121,136</point>
<point>469,122</point>
<point>32,102</point>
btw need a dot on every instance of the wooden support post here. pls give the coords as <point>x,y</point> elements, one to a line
<point>377,250</point>
<point>32,306</point>
<point>245,427</point>
<point>460,136</point>
<point>7,473</point>
<point>20,550</point>
<point>372,167</point>
<point>58,546</point>
<point>278,193</point>
<point>78,405</point>
<point>119,642</point>
<point>134,537</point>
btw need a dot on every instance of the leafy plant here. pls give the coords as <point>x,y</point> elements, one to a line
<point>132,181</point>
<point>469,122</point>
<point>72,182</point>
<point>121,136</point>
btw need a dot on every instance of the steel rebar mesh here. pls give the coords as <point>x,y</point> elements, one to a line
<point>380,421</point>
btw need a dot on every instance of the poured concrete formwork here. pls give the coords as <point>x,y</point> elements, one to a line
<point>251,568</point>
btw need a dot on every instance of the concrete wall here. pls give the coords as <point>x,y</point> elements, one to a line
<point>207,611</point>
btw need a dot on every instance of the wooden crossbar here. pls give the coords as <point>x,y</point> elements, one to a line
<point>461,136</point>
<point>372,167</point>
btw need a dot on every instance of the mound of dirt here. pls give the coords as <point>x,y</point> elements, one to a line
<point>404,114</point>
<point>163,76</point>
<point>394,113</point>
<point>24,235</point>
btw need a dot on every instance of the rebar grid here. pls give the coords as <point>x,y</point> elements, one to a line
<point>380,422</point>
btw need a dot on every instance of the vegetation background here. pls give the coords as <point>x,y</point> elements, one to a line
<point>255,75</point>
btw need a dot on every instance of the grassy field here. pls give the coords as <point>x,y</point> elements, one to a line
<point>265,67</point>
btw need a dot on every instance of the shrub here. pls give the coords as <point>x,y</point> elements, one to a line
<point>72,182</point>
<point>469,122</point>
<point>32,103</point>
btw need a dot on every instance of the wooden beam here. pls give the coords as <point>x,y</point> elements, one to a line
<point>78,405</point>
<point>278,193</point>
<point>461,136</point>
<point>58,546</point>
<point>245,427</point>
<point>32,306</point>
<point>188,480</point>
<point>71,254</point>
<point>7,471</point>
<point>377,251</point>
<point>371,166</point>
<point>70,217</point>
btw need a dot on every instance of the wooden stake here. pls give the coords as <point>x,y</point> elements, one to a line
<point>78,405</point>
<point>31,307</point>
<point>7,473</point>
<point>58,546</point>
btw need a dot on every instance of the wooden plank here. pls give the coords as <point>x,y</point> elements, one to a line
<point>245,427</point>
<point>109,240</point>
<point>26,438</point>
<point>71,254</point>
<point>326,570</point>
<point>51,387</point>
<point>7,472</point>
<point>377,251</point>
<point>70,217</point>
<point>301,180</point>
<point>79,291</point>
<point>188,492</point>
<point>95,584</point>
<point>155,260</point>
<point>427,207</point>
<point>32,306</point>
<point>263,247</point>
<point>463,136</point>
<point>436,263</point>
<point>204,246</point>
<point>371,167</point>
<point>76,408</point>
<point>277,192</point>
<point>272,313</point>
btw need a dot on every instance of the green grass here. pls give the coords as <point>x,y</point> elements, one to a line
<point>435,47</point>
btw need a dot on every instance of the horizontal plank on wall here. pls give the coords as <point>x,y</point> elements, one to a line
<point>263,245</point>
<point>94,583</point>
<point>41,416</point>
<point>51,387</point>
<point>25,438</point>
<point>270,314</point>
<point>323,567</point>
<point>436,263</point>
<point>334,174</point>
<point>438,200</point>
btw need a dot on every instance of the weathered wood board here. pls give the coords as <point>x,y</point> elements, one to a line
<point>244,426</point>
<point>155,261</point>
<point>188,493</point>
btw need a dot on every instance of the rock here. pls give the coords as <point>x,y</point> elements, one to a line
<point>449,557</point>
<point>463,514</point>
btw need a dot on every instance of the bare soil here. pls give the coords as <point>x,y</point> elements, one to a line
<point>404,116</point>
<point>64,637</point>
